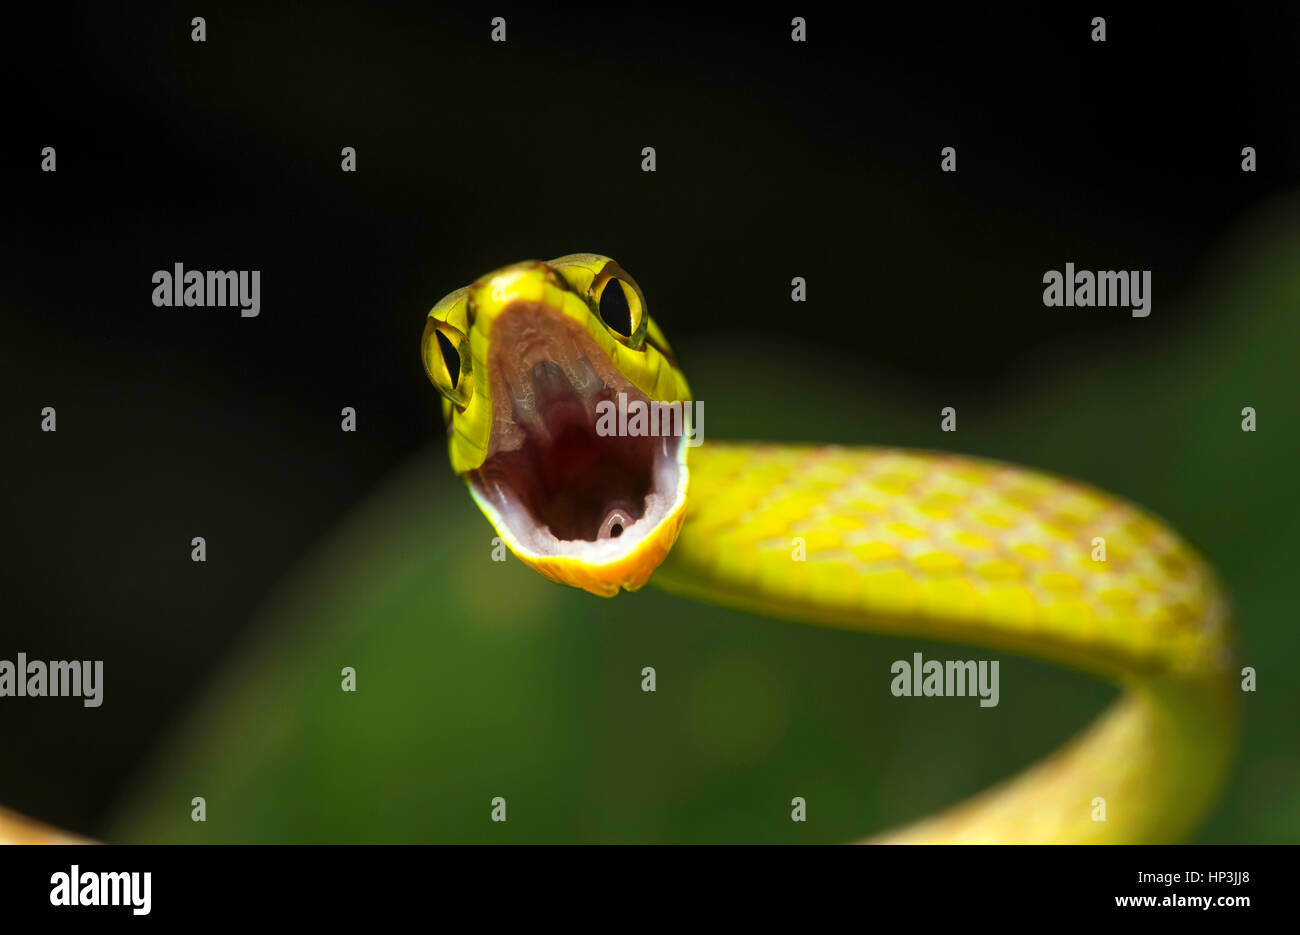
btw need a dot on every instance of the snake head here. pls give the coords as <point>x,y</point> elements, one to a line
<point>539,365</point>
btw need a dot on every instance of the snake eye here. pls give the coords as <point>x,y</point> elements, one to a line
<point>614,308</point>
<point>447,361</point>
<point>618,299</point>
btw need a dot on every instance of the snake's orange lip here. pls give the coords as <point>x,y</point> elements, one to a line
<point>584,506</point>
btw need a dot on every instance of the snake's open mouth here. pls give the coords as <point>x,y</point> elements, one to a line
<point>560,475</point>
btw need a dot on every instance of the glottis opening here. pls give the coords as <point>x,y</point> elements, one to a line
<point>556,474</point>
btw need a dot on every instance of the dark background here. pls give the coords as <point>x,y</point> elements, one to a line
<point>774,160</point>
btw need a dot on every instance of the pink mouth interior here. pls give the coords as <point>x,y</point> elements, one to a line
<point>571,478</point>
<point>548,469</point>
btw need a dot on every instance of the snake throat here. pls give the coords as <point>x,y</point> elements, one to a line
<point>555,484</point>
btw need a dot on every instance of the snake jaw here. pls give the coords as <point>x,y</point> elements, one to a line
<point>584,507</point>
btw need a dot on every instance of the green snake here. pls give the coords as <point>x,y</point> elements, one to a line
<point>532,359</point>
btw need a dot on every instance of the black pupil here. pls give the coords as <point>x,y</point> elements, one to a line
<point>616,530</point>
<point>450,358</point>
<point>613,308</point>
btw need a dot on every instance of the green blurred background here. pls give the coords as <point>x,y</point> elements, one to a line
<point>479,679</point>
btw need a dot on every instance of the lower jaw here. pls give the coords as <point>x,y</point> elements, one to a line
<point>601,566</point>
<point>629,572</point>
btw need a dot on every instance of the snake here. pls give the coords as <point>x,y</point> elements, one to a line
<point>572,423</point>
<point>569,418</point>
